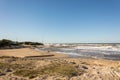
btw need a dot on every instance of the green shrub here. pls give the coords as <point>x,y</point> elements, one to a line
<point>9,44</point>
<point>5,42</point>
<point>32,43</point>
<point>62,69</point>
<point>53,69</point>
<point>26,73</point>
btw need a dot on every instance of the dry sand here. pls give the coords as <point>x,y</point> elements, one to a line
<point>25,52</point>
<point>95,69</point>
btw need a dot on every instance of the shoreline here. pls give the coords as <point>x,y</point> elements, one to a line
<point>43,65</point>
<point>36,53</point>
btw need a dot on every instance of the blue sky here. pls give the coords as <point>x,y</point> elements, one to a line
<point>60,21</point>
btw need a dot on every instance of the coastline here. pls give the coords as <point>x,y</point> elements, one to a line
<point>37,53</point>
<point>33,60</point>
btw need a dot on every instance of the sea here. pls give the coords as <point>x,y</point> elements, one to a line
<point>91,50</point>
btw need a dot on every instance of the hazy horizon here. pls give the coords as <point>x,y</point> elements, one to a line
<point>60,21</point>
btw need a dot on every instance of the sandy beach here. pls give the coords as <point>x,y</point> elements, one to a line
<point>26,52</point>
<point>59,39</point>
<point>56,67</point>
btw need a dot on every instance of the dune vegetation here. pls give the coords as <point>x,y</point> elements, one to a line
<point>9,44</point>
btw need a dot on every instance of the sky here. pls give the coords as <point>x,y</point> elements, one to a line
<point>60,21</point>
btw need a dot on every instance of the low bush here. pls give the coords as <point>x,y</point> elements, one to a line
<point>62,69</point>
